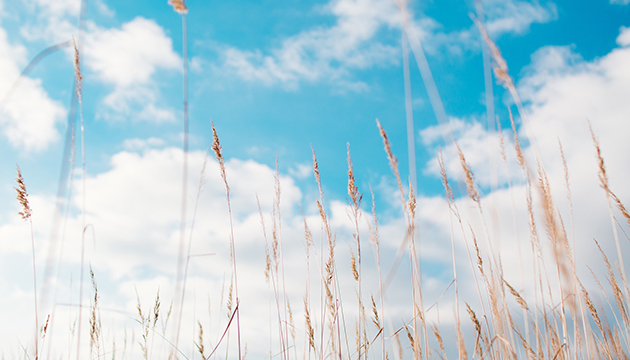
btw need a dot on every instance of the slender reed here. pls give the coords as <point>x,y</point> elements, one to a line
<point>218,151</point>
<point>22,197</point>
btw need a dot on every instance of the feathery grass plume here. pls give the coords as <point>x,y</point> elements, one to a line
<point>617,294</point>
<point>519,299</point>
<point>291,323</point>
<point>591,307</point>
<point>500,65</point>
<point>22,197</point>
<point>469,178</point>
<point>145,323</point>
<point>517,144</point>
<point>375,241</point>
<point>447,187</point>
<point>411,202</point>
<point>310,332</point>
<point>461,345</point>
<point>199,345</point>
<point>218,151</point>
<point>156,309</point>
<point>179,6</point>
<point>603,179</point>
<point>353,191</point>
<point>355,200</point>
<point>393,164</point>
<point>479,338</point>
<point>375,319</point>
<point>438,337</point>
<point>353,266</point>
<point>77,73</point>
<point>95,328</point>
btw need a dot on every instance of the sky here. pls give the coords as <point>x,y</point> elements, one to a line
<point>281,79</point>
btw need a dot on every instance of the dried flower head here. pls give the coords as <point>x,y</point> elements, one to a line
<point>179,6</point>
<point>22,195</point>
<point>77,72</point>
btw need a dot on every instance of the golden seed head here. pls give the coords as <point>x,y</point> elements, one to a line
<point>179,6</point>
<point>22,196</point>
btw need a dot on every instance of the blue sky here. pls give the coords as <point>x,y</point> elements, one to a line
<point>277,77</point>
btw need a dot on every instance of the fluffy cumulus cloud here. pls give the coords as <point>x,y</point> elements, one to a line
<point>133,212</point>
<point>128,59</point>
<point>23,125</point>
<point>322,52</point>
<point>353,43</point>
<point>133,209</point>
<point>562,94</point>
<point>515,16</point>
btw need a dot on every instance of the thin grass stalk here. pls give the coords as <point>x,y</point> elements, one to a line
<point>376,242</point>
<point>180,7</point>
<point>450,200</point>
<point>216,146</point>
<point>22,197</point>
<point>192,227</point>
<point>603,178</point>
<point>286,308</point>
<point>355,202</point>
<point>576,292</point>
<point>516,227</point>
<point>409,211</point>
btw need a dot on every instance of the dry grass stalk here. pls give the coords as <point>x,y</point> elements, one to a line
<point>438,337</point>
<point>22,196</point>
<point>78,77</point>
<point>310,332</point>
<point>393,164</point>
<point>617,294</point>
<point>218,151</point>
<point>479,338</point>
<point>353,266</point>
<point>500,65</point>
<point>145,323</point>
<point>95,328</point>
<point>200,346</point>
<point>517,144</point>
<point>447,187</point>
<point>516,295</point>
<point>461,345</point>
<point>179,6</point>
<point>469,178</point>
<point>594,314</point>
<point>603,178</point>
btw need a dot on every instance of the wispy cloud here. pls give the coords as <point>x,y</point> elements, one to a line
<point>128,58</point>
<point>322,52</point>
<point>332,53</point>
<point>29,117</point>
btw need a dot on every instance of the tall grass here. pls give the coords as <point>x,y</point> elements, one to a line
<point>549,323</point>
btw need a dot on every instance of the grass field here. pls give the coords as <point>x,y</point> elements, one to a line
<point>519,279</point>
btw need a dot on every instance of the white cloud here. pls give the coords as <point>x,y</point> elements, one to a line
<point>137,144</point>
<point>322,52</point>
<point>24,125</point>
<point>132,54</point>
<point>352,43</point>
<point>624,37</point>
<point>60,8</point>
<point>481,148</point>
<point>620,2</point>
<point>561,92</point>
<point>128,59</point>
<point>515,16</point>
